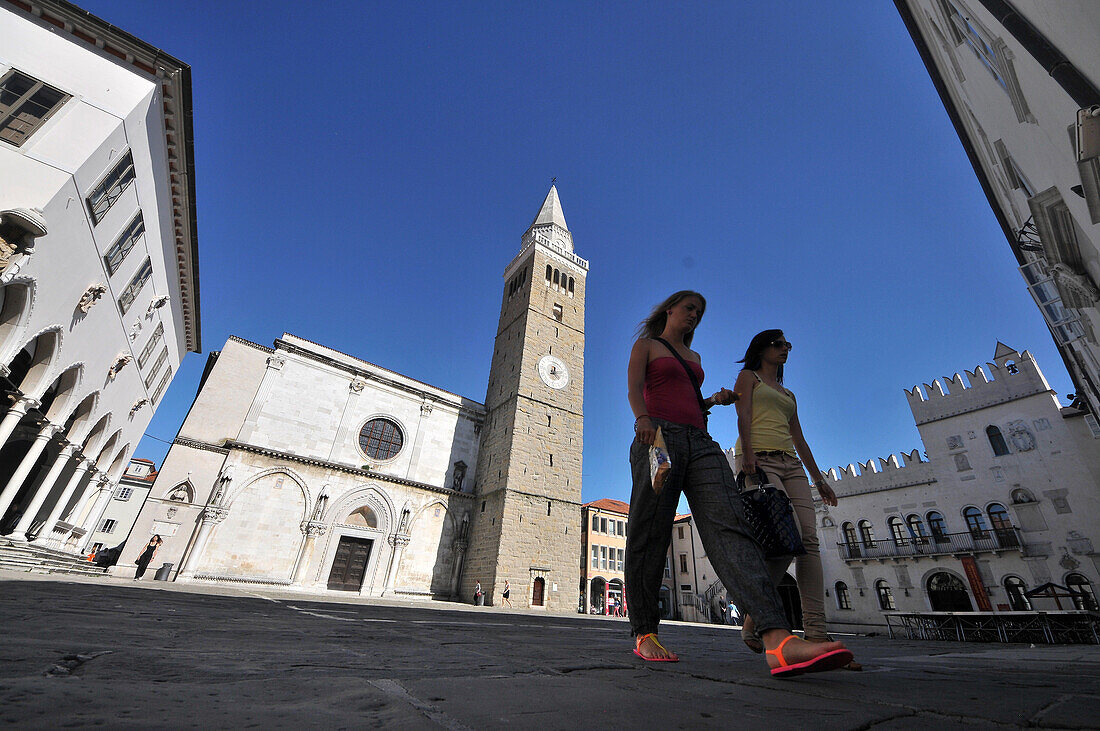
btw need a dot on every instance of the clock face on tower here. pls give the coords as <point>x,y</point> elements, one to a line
<point>553,372</point>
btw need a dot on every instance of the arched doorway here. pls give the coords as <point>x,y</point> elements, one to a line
<point>615,596</point>
<point>538,591</point>
<point>664,602</point>
<point>947,593</point>
<point>596,595</point>
<point>792,601</point>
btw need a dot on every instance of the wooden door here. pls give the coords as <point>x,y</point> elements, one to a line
<point>349,566</point>
<point>537,592</point>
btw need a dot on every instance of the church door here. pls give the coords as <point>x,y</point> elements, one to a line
<point>350,564</point>
<point>537,591</point>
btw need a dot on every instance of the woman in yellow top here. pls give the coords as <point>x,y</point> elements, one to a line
<point>771,439</point>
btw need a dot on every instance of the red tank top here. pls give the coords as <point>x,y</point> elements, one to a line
<point>669,394</point>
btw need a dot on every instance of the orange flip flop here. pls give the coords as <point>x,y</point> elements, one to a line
<point>638,643</point>
<point>828,661</point>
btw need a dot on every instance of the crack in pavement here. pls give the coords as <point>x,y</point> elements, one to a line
<point>394,689</point>
<point>67,664</point>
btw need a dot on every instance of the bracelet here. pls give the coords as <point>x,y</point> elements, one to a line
<point>643,416</point>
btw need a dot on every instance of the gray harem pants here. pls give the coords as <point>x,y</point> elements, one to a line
<point>699,470</point>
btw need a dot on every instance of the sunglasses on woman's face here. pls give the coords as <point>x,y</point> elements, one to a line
<point>782,344</point>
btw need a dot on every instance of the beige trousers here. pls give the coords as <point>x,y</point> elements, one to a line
<point>787,473</point>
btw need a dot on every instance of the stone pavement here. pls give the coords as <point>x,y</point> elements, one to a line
<point>177,655</point>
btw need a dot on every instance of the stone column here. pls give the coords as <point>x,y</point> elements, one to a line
<point>92,521</point>
<point>17,411</point>
<point>459,548</point>
<point>398,541</point>
<point>89,490</point>
<point>275,364</point>
<point>7,495</point>
<point>310,529</point>
<point>46,534</point>
<point>43,491</point>
<point>211,516</point>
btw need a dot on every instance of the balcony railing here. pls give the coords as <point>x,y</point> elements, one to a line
<point>985,541</point>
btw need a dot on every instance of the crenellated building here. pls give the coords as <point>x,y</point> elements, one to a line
<point>1003,500</point>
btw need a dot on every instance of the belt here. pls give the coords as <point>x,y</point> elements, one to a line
<point>774,452</point>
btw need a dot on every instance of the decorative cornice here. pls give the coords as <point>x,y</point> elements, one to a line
<point>195,444</point>
<point>348,469</point>
<point>251,344</point>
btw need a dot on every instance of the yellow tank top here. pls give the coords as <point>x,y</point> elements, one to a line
<point>771,420</point>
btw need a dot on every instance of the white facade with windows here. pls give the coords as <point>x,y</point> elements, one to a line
<point>97,260</point>
<point>304,467</point>
<point>1004,502</point>
<point>122,509</point>
<point>1020,82</point>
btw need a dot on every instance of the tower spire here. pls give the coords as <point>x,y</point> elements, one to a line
<point>551,212</point>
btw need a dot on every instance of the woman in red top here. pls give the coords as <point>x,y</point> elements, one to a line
<point>662,395</point>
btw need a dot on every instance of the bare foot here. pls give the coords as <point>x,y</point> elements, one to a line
<point>797,650</point>
<point>651,649</point>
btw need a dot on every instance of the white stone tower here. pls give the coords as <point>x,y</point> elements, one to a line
<point>526,517</point>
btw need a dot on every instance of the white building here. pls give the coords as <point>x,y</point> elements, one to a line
<point>98,267</point>
<point>122,509</point>
<point>1005,501</point>
<point>304,467</point>
<point>1020,83</point>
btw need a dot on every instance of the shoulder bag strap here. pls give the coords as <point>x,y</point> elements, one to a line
<point>691,375</point>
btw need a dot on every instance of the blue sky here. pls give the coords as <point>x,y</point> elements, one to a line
<point>365,172</point>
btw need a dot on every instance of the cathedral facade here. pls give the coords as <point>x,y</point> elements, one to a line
<point>304,467</point>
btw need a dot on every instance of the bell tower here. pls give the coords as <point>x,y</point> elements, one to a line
<point>526,518</point>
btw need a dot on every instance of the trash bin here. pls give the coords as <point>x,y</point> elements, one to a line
<point>163,572</point>
<point>479,600</point>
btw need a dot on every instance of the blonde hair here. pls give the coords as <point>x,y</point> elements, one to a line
<point>654,325</point>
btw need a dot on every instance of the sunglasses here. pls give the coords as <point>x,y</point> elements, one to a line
<point>782,344</point>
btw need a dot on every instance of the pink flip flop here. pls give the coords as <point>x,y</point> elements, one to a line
<point>828,661</point>
<point>642,639</point>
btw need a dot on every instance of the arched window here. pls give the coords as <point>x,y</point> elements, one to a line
<point>1086,597</point>
<point>571,287</point>
<point>849,534</point>
<point>897,531</point>
<point>549,273</point>
<point>851,542</point>
<point>1015,588</point>
<point>843,598</point>
<point>997,441</point>
<point>885,596</point>
<point>975,522</point>
<point>998,517</point>
<point>937,525</point>
<point>916,529</point>
<point>866,533</point>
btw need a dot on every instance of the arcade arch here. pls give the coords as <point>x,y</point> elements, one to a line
<point>30,367</point>
<point>16,300</point>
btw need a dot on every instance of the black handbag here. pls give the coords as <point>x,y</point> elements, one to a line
<point>770,516</point>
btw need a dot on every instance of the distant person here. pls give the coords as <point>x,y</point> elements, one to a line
<point>771,440</point>
<point>505,596</point>
<point>663,378</point>
<point>477,593</point>
<point>147,556</point>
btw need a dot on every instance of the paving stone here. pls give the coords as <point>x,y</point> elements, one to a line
<point>187,656</point>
